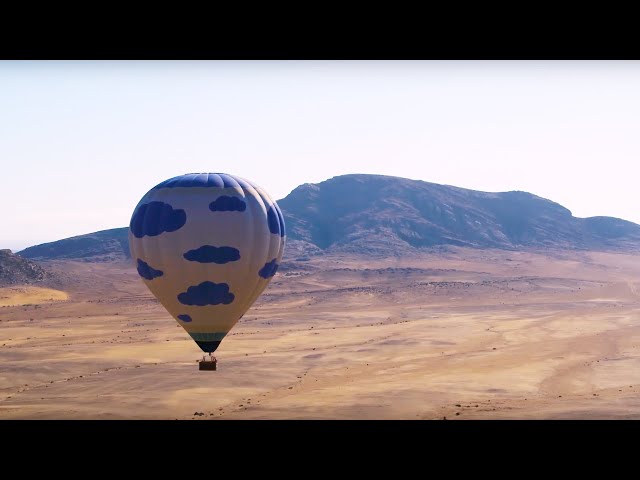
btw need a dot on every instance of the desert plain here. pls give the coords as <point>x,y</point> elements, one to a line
<point>455,333</point>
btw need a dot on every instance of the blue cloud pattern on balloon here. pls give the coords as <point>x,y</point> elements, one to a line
<point>269,269</point>
<point>272,218</point>
<point>154,218</point>
<point>275,224</point>
<point>228,204</point>
<point>185,318</point>
<point>211,254</point>
<point>207,293</point>
<point>280,219</point>
<point>145,271</point>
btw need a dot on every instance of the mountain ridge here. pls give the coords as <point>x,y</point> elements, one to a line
<point>378,214</point>
<point>424,214</point>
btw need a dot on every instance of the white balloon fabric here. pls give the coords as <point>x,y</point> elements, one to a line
<point>207,245</point>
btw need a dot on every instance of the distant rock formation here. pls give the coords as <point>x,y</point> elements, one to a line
<point>16,270</point>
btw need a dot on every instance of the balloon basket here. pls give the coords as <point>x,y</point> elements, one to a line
<point>208,364</point>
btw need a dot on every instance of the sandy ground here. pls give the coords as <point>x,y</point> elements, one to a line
<point>29,295</point>
<point>461,334</point>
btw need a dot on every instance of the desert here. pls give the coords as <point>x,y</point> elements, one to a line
<point>456,333</point>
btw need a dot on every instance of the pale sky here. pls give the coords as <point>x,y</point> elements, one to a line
<point>81,142</point>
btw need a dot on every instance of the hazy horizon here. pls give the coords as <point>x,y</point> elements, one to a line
<point>83,141</point>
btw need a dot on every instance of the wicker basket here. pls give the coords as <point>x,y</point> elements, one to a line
<point>204,365</point>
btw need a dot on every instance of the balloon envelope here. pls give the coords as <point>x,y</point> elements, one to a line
<point>207,245</point>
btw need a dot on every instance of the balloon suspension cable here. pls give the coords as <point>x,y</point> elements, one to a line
<point>211,358</point>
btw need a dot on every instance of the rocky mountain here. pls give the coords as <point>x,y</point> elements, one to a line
<point>375,214</point>
<point>16,270</point>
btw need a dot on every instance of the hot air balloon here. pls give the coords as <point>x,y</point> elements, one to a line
<point>207,245</point>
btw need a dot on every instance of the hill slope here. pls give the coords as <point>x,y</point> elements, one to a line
<point>106,245</point>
